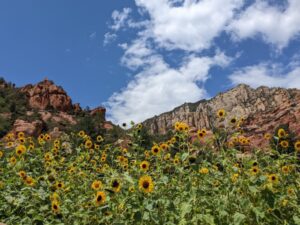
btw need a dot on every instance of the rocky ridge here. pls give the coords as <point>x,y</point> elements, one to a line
<point>263,109</point>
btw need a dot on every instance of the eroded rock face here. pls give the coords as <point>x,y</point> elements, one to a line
<point>30,128</point>
<point>263,108</point>
<point>46,95</point>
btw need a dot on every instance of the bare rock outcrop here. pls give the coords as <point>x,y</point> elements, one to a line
<point>46,95</point>
<point>263,109</point>
<point>30,128</point>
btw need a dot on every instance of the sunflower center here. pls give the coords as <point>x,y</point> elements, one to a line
<point>115,184</point>
<point>144,166</point>
<point>146,184</point>
<point>99,198</point>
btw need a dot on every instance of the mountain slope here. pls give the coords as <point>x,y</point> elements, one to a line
<point>263,109</point>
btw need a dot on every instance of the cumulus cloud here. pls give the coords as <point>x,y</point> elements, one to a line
<point>159,87</point>
<point>189,25</point>
<point>267,74</point>
<point>277,25</point>
<point>119,18</point>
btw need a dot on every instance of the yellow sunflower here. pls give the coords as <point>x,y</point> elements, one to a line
<point>144,166</point>
<point>20,150</point>
<point>88,144</point>
<point>12,160</point>
<point>285,169</point>
<point>22,174</point>
<point>267,136</point>
<point>116,185</point>
<point>96,185</point>
<point>100,198</point>
<point>1,154</point>
<point>221,113</point>
<point>99,138</point>
<point>281,133</point>
<point>297,146</point>
<point>273,178</point>
<point>55,206</point>
<point>81,133</point>
<point>254,170</point>
<point>284,144</point>
<point>155,150</point>
<point>164,146</point>
<point>233,121</point>
<point>146,184</point>
<point>29,181</point>
<point>59,185</point>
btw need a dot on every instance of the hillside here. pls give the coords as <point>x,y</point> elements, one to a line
<point>46,107</point>
<point>262,110</point>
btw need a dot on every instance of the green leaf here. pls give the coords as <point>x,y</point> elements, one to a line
<point>238,218</point>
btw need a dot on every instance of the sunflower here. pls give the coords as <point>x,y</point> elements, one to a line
<point>96,185</point>
<point>221,113</point>
<point>176,161</point>
<point>88,144</point>
<point>20,150</point>
<point>155,150</point>
<point>59,185</point>
<point>290,191</point>
<point>144,166</point>
<point>233,121</point>
<point>22,174</point>
<point>12,160</point>
<point>1,154</point>
<point>131,189</point>
<point>273,178</point>
<point>254,170</point>
<point>267,136</point>
<point>48,156</point>
<point>103,158</point>
<point>29,181</point>
<point>146,184</point>
<point>297,146</point>
<point>47,137</point>
<point>281,133</point>
<point>201,133</point>
<point>284,144</point>
<point>22,140</point>
<point>116,185</point>
<point>55,206</point>
<point>100,198</point>
<point>285,169</point>
<point>21,135</point>
<point>164,146</point>
<point>10,144</point>
<point>203,170</point>
<point>124,150</point>
<point>99,138</point>
<point>81,133</point>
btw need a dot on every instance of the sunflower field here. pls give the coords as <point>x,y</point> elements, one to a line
<point>77,179</point>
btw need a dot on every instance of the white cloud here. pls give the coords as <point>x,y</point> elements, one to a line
<point>159,88</point>
<point>108,38</point>
<point>271,75</point>
<point>191,25</point>
<point>119,18</point>
<point>276,25</point>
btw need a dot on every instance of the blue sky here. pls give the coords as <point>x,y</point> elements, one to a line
<point>140,58</point>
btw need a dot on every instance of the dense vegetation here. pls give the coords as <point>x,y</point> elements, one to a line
<point>77,179</point>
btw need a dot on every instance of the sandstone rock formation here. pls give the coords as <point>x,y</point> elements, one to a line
<point>31,128</point>
<point>263,109</point>
<point>45,95</point>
